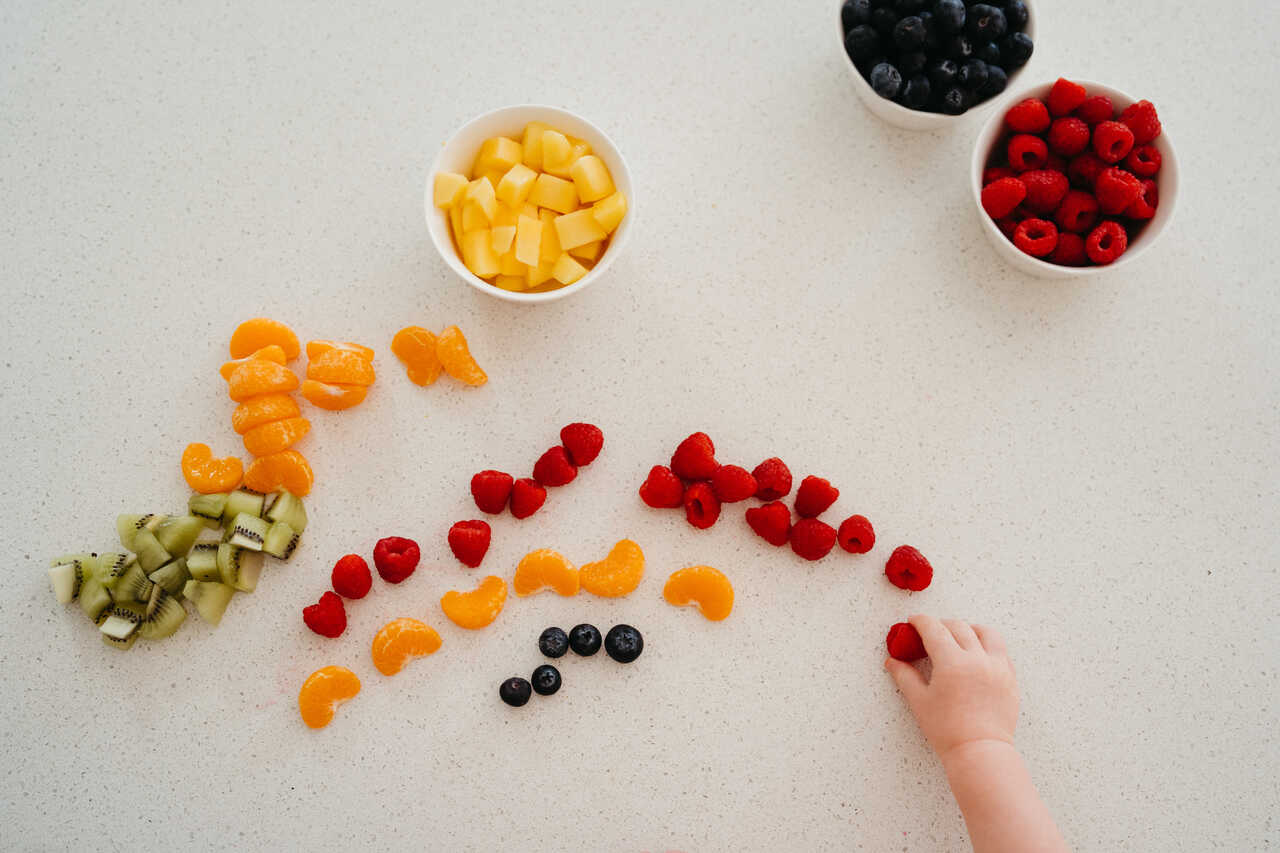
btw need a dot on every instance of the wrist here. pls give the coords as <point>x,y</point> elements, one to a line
<point>977,752</point>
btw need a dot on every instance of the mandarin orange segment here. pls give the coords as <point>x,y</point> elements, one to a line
<point>207,475</point>
<point>252,335</point>
<point>323,691</point>
<point>286,470</point>
<point>703,586</point>
<point>270,353</point>
<point>257,377</point>
<point>477,608</point>
<point>455,357</point>
<point>416,349</point>
<point>545,569</point>
<point>617,574</point>
<point>315,349</point>
<point>400,640</point>
<point>265,409</point>
<point>276,436</point>
<point>334,398</point>
<point>341,366</point>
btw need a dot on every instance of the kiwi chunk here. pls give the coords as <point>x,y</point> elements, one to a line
<point>68,574</point>
<point>171,576</point>
<point>110,567</point>
<point>238,568</point>
<point>151,554</point>
<point>248,531</point>
<point>164,615</point>
<point>210,599</point>
<point>208,508</point>
<point>179,533</point>
<point>289,509</point>
<point>133,585</point>
<point>202,561</point>
<point>94,598</point>
<point>280,541</point>
<point>128,525</point>
<point>242,502</point>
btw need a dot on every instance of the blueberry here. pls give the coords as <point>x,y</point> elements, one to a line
<point>864,67</point>
<point>916,93</point>
<point>908,34</point>
<point>986,22</point>
<point>996,82</point>
<point>514,691</point>
<point>973,75</point>
<point>958,47</point>
<point>931,39</point>
<point>1015,12</point>
<point>876,4</point>
<point>623,643</point>
<point>950,15</point>
<point>912,63</point>
<point>988,52</point>
<point>908,7</point>
<point>855,12</point>
<point>553,643</point>
<point>584,639</point>
<point>861,43</point>
<point>955,101</point>
<point>886,80</point>
<point>546,680</point>
<point>884,20</point>
<point>1015,50</point>
<point>943,73</point>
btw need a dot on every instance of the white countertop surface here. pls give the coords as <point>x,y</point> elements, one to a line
<point>1091,466</point>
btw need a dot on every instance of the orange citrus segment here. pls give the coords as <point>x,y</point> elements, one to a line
<point>257,377</point>
<point>416,349</point>
<point>276,436</point>
<point>545,569</point>
<point>477,608</point>
<point>265,409</point>
<point>285,470</point>
<point>315,349</point>
<point>323,691</point>
<point>704,586</point>
<point>341,366</point>
<point>401,639</point>
<point>617,574</point>
<point>455,357</point>
<point>207,475</point>
<point>333,397</point>
<point>269,353</point>
<point>252,335</point>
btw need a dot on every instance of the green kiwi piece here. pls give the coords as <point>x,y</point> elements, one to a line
<point>94,598</point>
<point>202,561</point>
<point>208,508</point>
<point>68,574</point>
<point>110,567</point>
<point>248,531</point>
<point>128,525</point>
<point>238,568</point>
<point>164,615</point>
<point>171,576</point>
<point>289,509</point>
<point>151,554</point>
<point>179,533</point>
<point>122,620</point>
<point>242,501</point>
<point>280,541</point>
<point>132,586</point>
<point>210,599</point>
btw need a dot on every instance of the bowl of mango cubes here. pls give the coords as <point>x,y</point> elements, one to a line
<point>529,203</point>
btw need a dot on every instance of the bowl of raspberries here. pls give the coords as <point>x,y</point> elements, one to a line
<point>919,64</point>
<point>1072,178</point>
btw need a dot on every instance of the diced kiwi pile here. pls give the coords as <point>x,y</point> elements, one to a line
<point>139,592</point>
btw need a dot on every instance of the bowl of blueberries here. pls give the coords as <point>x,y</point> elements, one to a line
<point>920,64</point>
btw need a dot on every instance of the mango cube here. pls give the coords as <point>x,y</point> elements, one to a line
<point>528,240</point>
<point>448,187</point>
<point>556,151</point>
<point>508,265</point>
<point>588,251</point>
<point>517,183</point>
<point>511,282</point>
<point>498,154</point>
<point>533,144</point>
<point>473,218</point>
<point>482,193</point>
<point>550,248</point>
<point>609,212</point>
<point>503,235</point>
<point>554,193</point>
<point>591,177</point>
<point>478,254</point>
<point>455,223</point>
<point>578,228</point>
<point>539,274</point>
<point>506,215</point>
<point>581,146</point>
<point>567,270</point>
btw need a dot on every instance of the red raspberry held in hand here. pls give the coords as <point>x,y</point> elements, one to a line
<point>814,496</point>
<point>1112,141</point>
<point>662,489</point>
<point>1027,152</point>
<point>695,458</point>
<point>1065,97</point>
<point>904,643</point>
<point>1084,170</point>
<point>771,522</point>
<point>1029,116</point>
<point>351,577</point>
<point>1106,243</point>
<point>1068,136</point>
<point>469,541</point>
<point>856,535</point>
<point>490,489</point>
<point>1000,198</point>
<point>1069,252</point>
<point>1143,161</point>
<point>395,558</point>
<point>527,497</point>
<point>1141,118</point>
<point>1115,190</point>
<point>812,539</point>
<point>582,442</point>
<point>1077,213</point>
<point>1095,110</point>
<point>553,468</point>
<point>1144,206</point>
<point>995,173</point>
<point>1045,190</point>
<point>327,617</point>
<point>773,479</point>
<point>907,568</point>
<point>733,483</point>
<point>1036,237</point>
<point>701,507</point>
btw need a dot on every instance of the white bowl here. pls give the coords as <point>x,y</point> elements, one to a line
<point>1166,182</point>
<point>907,119</point>
<point>458,155</point>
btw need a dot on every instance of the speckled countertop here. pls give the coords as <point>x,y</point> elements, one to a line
<point>1091,466</point>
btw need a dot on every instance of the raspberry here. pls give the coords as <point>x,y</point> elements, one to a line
<point>1078,212</point>
<point>1056,163</point>
<point>773,479</point>
<point>582,442</point>
<point>351,576</point>
<point>469,541</point>
<point>1001,197</point>
<point>907,568</point>
<point>771,522</point>
<point>814,496</point>
<point>1106,243</point>
<point>904,643</point>
<point>395,558</point>
<point>1141,118</point>
<point>1029,116</point>
<point>1069,252</point>
<point>995,173</point>
<point>1143,161</point>
<point>1084,170</point>
<point>662,489</point>
<point>856,535</point>
<point>701,507</point>
<point>1065,96</point>
<point>812,539</point>
<point>491,490</point>
<point>553,468</point>
<point>327,617</point>
<point>527,497</point>
<point>1068,136</point>
<point>1095,109</point>
<point>1116,189</point>
<point>1036,237</point>
<point>1112,141</point>
<point>695,458</point>
<point>1027,152</point>
<point>1008,226</point>
<point>733,483</point>
<point>1144,206</point>
<point>1045,189</point>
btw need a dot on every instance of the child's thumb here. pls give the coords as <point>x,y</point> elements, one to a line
<point>908,679</point>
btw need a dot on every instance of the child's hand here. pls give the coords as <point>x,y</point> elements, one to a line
<point>972,695</point>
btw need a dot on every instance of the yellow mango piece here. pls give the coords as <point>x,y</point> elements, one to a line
<point>528,240</point>
<point>550,248</point>
<point>511,282</point>
<point>554,193</point>
<point>588,251</point>
<point>533,144</point>
<point>578,228</point>
<point>473,218</point>
<point>448,187</point>
<point>516,185</point>
<point>567,270</point>
<point>609,212</point>
<point>498,155</point>
<point>478,254</point>
<point>503,235</point>
<point>455,224</point>
<point>592,178</point>
<point>482,193</point>
<point>508,264</point>
<point>539,274</point>
<point>580,145</point>
<point>506,216</point>
<point>555,153</point>
<point>527,209</point>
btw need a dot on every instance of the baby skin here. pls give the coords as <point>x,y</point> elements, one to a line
<point>967,711</point>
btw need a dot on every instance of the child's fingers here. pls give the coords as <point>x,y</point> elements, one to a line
<point>963,632</point>
<point>908,679</point>
<point>991,640</point>
<point>938,641</point>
